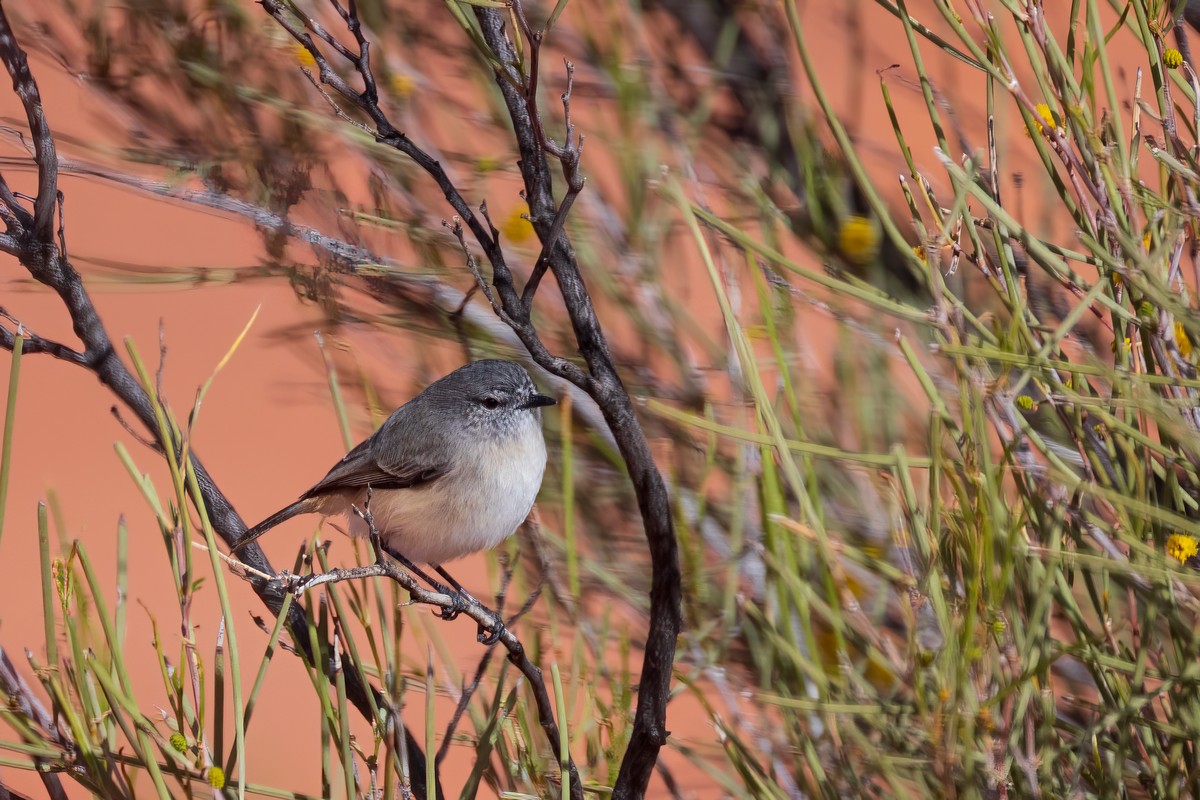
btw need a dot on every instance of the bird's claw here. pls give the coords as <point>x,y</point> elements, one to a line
<point>489,638</point>
<point>299,583</point>
<point>458,604</point>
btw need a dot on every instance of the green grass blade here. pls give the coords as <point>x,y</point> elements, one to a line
<point>10,421</point>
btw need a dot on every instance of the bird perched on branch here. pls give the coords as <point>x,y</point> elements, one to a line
<point>453,471</point>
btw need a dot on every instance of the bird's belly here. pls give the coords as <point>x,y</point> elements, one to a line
<point>468,510</point>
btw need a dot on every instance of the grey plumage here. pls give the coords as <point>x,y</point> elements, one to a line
<point>451,470</point>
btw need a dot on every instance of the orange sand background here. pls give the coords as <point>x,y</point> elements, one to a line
<point>274,388</point>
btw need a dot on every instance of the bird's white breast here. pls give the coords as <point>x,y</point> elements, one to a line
<point>474,507</point>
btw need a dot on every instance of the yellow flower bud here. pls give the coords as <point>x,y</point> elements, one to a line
<point>1182,341</point>
<point>858,240</point>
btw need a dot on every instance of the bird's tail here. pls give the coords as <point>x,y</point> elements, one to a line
<point>282,515</point>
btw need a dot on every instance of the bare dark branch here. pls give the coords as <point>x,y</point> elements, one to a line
<point>604,385</point>
<point>570,155</point>
<point>17,63</point>
<point>15,216</point>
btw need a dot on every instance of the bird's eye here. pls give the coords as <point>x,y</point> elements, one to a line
<point>490,402</point>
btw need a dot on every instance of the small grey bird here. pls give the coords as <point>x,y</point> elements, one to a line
<point>453,471</point>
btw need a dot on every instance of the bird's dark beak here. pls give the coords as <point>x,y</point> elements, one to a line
<point>539,400</point>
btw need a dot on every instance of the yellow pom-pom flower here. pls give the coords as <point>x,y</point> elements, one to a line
<point>1045,119</point>
<point>1172,58</point>
<point>216,777</point>
<point>178,742</point>
<point>1025,403</point>
<point>1182,547</point>
<point>858,240</point>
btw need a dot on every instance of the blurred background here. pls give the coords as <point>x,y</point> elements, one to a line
<point>903,303</point>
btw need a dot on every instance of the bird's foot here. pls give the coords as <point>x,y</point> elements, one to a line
<point>490,637</point>
<point>458,604</point>
<point>298,584</point>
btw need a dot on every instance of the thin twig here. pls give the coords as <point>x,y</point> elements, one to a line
<point>36,344</point>
<point>463,701</point>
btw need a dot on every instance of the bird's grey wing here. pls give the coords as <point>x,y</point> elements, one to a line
<point>361,467</point>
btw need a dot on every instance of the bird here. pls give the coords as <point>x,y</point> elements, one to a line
<point>452,472</point>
